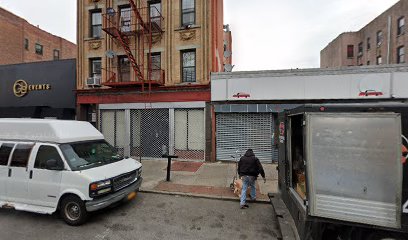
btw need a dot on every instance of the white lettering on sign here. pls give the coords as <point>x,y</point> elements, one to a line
<point>405,207</point>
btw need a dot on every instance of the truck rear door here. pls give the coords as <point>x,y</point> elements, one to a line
<point>354,167</point>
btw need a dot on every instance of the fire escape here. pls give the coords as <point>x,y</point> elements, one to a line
<point>133,29</point>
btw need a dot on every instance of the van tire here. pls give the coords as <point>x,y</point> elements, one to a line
<point>73,210</point>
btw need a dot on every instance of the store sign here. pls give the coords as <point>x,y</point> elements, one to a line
<point>21,88</point>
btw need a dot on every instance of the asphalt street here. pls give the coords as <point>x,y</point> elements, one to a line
<point>150,216</point>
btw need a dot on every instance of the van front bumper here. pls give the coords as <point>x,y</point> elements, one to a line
<point>104,202</point>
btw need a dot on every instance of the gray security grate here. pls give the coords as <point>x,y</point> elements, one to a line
<point>143,133</point>
<point>245,130</point>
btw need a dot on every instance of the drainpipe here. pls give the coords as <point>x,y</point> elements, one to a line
<point>389,40</point>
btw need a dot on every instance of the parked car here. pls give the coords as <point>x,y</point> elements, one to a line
<point>66,166</point>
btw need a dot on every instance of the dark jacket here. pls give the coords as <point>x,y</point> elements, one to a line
<point>249,165</point>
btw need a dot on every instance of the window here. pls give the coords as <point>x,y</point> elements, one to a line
<point>379,60</point>
<point>350,51</point>
<point>400,55</point>
<point>155,12</point>
<point>156,66</point>
<point>96,24</point>
<point>368,44</point>
<point>188,59</point>
<point>368,62</point>
<point>56,54</point>
<point>125,18</point>
<point>124,69</point>
<point>360,48</point>
<point>46,153</point>
<point>379,38</point>
<point>156,61</point>
<point>401,26</point>
<point>21,155</point>
<point>5,151</point>
<point>187,12</point>
<point>95,67</point>
<point>38,49</point>
<point>25,43</point>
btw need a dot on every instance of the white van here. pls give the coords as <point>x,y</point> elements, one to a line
<point>50,165</point>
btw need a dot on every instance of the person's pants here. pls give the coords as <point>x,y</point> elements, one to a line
<point>247,181</point>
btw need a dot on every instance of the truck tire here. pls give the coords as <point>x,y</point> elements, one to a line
<point>73,210</point>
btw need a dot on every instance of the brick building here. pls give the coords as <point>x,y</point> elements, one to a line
<point>143,73</point>
<point>21,42</point>
<point>382,41</point>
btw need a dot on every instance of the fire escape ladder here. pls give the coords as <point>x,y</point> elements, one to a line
<point>138,16</point>
<point>124,41</point>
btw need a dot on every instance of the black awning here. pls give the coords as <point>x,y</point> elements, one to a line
<point>37,112</point>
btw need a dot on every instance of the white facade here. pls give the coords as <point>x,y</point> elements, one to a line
<point>352,83</point>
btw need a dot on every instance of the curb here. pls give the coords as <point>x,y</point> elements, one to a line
<point>199,196</point>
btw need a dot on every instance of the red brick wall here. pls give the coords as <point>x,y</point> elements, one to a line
<point>11,43</point>
<point>13,32</point>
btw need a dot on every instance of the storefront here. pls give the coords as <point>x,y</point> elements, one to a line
<point>246,104</point>
<point>38,90</point>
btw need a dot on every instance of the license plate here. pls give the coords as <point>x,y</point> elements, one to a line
<point>131,196</point>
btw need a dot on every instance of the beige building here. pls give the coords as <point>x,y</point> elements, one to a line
<point>143,72</point>
<point>382,41</point>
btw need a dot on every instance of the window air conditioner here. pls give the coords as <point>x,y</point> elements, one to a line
<point>93,81</point>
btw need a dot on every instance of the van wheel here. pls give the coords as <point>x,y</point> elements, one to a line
<point>73,210</point>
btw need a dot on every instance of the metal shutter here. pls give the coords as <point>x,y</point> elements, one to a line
<point>240,131</point>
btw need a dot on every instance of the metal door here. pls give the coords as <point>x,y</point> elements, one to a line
<point>154,132</point>
<point>17,181</point>
<point>241,131</point>
<point>354,168</point>
<point>44,184</point>
<point>5,150</point>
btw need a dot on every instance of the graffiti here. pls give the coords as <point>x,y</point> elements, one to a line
<point>404,150</point>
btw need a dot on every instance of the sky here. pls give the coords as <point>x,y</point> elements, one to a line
<point>267,34</point>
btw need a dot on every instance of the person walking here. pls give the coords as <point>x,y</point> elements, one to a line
<point>249,167</point>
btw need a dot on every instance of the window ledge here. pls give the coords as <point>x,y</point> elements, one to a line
<point>187,28</point>
<point>187,84</point>
<point>93,38</point>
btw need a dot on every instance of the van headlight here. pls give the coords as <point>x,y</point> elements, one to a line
<point>100,188</point>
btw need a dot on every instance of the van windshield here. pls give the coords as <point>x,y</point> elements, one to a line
<point>91,154</point>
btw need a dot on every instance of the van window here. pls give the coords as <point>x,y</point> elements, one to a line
<point>84,155</point>
<point>5,151</point>
<point>21,155</point>
<point>46,153</point>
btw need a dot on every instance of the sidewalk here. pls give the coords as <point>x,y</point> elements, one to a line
<point>201,179</point>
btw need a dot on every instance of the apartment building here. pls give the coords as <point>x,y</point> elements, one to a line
<point>143,73</point>
<point>382,41</point>
<point>21,42</point>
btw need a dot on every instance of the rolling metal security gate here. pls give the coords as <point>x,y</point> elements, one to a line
<point>241,131</point>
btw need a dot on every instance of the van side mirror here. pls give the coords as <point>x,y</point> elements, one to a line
<point>52,164</point>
